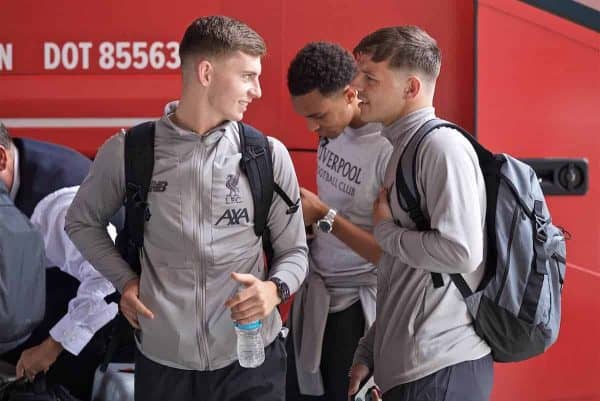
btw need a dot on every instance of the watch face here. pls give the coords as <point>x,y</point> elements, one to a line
<point>324,226</point>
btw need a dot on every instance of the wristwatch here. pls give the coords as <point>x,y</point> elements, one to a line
<point>282,289</point>
<point>325,224</point>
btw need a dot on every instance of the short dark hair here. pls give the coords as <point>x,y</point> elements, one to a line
<point>219,35</point>
<point>403,46</point>
<point>5,139</point>
<point>324,66</point>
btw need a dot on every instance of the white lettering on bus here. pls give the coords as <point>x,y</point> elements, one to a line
<point>6,59</point>
<point>139,55</point>
<point>119,55</point>
<point>68,55</point>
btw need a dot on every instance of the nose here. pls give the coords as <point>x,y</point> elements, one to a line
<point>255,91</point>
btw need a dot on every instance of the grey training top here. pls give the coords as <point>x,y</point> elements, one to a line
<point>350,171</point>
<point>201,230</point>
<point>419,329</point>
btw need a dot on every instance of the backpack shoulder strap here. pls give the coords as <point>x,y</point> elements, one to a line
<point>139,164</point>
<point>490,165</point>
<point>406,180</point>
<point>257,164</point>
<point>406,183</point>
<point>409,199</point>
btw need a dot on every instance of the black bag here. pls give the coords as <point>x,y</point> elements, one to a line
<point>22,275</point>
<point>256,163</point>
<point>38,390</point>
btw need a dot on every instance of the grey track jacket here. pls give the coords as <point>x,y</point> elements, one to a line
<point>201,230</point>
<point>421,329</point>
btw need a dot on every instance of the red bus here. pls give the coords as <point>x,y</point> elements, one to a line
<point>524,76</point>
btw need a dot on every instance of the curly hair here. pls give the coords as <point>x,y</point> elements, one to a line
<point>324,66</point>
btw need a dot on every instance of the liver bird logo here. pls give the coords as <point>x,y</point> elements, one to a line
<point>232,184</point>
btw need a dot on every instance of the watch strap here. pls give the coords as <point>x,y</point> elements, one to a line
<point>282,288</point>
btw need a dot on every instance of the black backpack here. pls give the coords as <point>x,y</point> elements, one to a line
<point>256,163</point>
<point>38,390</point>
<point>22,275</point>
<point>517,306</point>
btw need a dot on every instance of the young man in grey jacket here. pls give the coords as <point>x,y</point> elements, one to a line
<point>202,263</point>
<point>337,302</point>
<point>423,345</point>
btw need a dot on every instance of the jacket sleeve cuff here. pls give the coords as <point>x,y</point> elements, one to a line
<point>124,279</point>
<point>74,336</point>
<point>364,357</point>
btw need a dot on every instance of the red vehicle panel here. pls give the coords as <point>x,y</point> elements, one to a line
<point>94,77</point>
<point>73,74</point>
<point>538,87</point>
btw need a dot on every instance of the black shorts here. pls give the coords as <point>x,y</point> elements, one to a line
<point>466,381</point>
<point>156,382</point>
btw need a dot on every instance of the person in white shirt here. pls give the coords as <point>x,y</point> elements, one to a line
<point>87,312</point>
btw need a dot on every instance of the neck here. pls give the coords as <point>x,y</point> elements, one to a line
<point>356,121</point>
<point>194,114</point>
<point>411,107</point>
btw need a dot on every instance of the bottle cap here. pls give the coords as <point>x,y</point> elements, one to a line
<point>249,326</point>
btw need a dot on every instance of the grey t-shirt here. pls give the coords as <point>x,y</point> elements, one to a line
<point>350,172</point>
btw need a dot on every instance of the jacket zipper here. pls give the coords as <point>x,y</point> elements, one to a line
<point>198,224</point>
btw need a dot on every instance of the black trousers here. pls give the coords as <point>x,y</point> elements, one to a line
<point>342,332</point>
<point>75,373</point>
<point>466,381</point>
<point>156,382</point>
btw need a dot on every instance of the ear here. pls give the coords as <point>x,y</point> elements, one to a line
<point>204,72</point>
<point>413,88</point>
<point>350,94</point>
<point>3,158</point>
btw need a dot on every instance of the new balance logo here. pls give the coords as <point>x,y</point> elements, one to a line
<point>158,186</point>
<point>233,216</point>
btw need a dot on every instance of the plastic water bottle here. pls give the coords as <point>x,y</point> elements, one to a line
<point>250,346</point>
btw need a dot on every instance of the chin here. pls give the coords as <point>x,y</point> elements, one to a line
<point>236,117</point>
<point>364,113</point>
